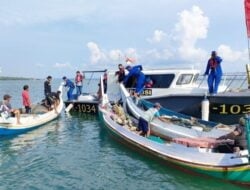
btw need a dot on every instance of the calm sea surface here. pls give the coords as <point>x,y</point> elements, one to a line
<point>75,152</point>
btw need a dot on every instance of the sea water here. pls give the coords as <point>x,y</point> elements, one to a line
<point>75,152</point>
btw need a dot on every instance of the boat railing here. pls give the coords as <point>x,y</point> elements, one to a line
<point>229,81</point>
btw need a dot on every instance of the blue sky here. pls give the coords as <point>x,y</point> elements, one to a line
<point>58,37</point>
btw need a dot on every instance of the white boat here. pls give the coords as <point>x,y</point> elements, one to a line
<point>183,91</point>
<point>9,126</point>
<point>168,130</point>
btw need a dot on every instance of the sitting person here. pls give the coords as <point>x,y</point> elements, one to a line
<point>149,83</point>
<point>238,135</point>
<point>6,109</point>
<point>26,99</point>
<point>150,114</point>
<point>54,100</point>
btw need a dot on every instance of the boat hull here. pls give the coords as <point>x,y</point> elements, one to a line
<point>237,174</point>
<point>83,107</point>
<point>223,109</point>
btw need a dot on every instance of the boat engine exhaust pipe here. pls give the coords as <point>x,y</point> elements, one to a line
<point>205,109</point>
<point>248,74</point>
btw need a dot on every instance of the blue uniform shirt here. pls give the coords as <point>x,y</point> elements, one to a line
<point>135,71</point>
<point>69,84</point>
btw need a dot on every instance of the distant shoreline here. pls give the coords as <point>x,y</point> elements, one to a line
<point>17,78</point>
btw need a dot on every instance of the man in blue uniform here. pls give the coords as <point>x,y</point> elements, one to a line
<point>71,86</point>
<point>214,72</point>
<point>136,72</point>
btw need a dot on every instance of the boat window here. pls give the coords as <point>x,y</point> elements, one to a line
<point>196,77</point>
<point>184,79</point>
<point>161,80</point>
<point>153,81</point>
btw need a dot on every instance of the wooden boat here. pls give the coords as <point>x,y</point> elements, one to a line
<point>168,130</point>
<point>30,121</point>
<point>204,161</point>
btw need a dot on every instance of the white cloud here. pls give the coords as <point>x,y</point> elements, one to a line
<point>192,26</point>
<point>62,65</point>
<point>96,54</point>
<point>0,69</point>
<point>116,55</point>
<point>158,36</point>
<point>230,55</point>
<point>132,53</point>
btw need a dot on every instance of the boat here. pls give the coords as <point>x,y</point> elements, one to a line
<point>205,161</point>
<point>169,130</point>
<point>184,90</point>
<point>87,102</point>
<point>39,116</point>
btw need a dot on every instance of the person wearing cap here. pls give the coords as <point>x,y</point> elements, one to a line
<point>149,115</point>
<point>6,109</point>
<point>26,99</point>
<point>214,72</point>
<point>71,87</point>
<point>79,82</point>
<point>136,72</point>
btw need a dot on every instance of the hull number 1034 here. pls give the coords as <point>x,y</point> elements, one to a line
<point>228,109</point>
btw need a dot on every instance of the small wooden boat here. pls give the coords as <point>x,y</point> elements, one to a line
<point>169,130</point>
<point>29,122</point>
<point>204,161</point>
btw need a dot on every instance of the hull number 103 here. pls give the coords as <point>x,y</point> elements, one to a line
<point>225,109</point>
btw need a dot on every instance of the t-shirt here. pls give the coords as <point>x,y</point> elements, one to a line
<point>151,113</point>
<point>47,88</point>
<point>5,107</point>
<point>26,98</point>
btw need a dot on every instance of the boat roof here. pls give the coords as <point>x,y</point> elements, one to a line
<point>167,71</point>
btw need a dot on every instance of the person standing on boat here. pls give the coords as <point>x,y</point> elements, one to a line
<point>136,72</point>
<point>214,72</point>
<point>79,81</point>
<point>120,73</point>
<point>71,87</point>
<point>47,91</point>
<point>6,109</point>
<point>26,99</point>
<point>149,115</point>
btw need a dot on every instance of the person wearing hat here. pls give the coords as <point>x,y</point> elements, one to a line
<point>136,72</point>
<point>6,109</point>
<point>214,72</point>
<point>71,87</point>
<point>149,115</point>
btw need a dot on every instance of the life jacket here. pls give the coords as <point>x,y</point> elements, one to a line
<point>213,63</point>
<point>78,78</point>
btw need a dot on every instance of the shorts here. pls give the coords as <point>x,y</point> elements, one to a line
<point>27,109</point>
<point>143,125</point>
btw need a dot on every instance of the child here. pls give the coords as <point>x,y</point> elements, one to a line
<point>26,99</point>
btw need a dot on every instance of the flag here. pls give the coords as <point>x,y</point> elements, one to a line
<point>130,60</point>
<point>247,14</point>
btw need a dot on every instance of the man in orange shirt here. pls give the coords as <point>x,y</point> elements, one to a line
<point>26,99</point>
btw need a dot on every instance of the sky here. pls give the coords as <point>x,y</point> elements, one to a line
<point>58,37</point>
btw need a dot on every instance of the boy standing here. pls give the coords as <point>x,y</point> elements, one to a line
<point>26,99</point>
